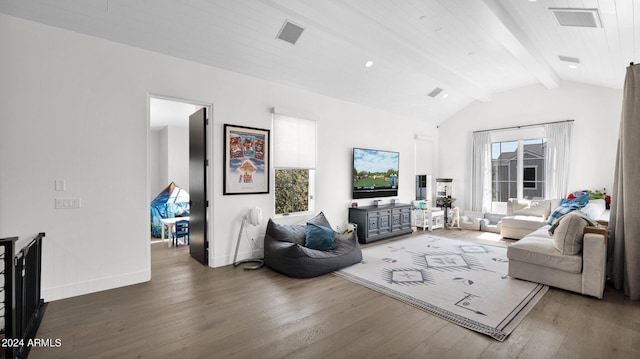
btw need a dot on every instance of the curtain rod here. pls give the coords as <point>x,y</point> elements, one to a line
<point>516,127</point>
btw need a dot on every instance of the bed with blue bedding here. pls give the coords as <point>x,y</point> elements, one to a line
<point>172,202</point>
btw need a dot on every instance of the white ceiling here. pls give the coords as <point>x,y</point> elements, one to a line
<point>470,48</point>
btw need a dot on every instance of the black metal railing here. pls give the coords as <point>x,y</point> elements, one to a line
<point>22,307</point>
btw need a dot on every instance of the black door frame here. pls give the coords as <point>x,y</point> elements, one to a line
<point>209,144</point>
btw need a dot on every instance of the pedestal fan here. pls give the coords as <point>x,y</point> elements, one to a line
<point>254,218</point>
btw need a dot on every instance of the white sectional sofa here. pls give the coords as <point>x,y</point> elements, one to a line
<point>572,258</point>
<point>525,216</point>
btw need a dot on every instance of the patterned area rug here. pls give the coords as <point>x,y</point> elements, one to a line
<point>463,282</point>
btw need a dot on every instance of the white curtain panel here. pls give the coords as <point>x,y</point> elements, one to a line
<point>557,161</point>
<point>624,227</point>
<point>481,172</point>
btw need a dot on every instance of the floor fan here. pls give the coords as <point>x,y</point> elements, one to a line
<point>254,218</point>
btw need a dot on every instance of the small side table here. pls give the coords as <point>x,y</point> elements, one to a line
<point>431,218</point>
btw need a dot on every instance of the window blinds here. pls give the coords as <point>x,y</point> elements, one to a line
<point>294,142</point>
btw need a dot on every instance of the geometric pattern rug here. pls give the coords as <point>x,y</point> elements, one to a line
<point>463,282</point>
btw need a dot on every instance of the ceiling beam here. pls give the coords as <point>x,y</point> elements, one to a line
<point>520,46</point>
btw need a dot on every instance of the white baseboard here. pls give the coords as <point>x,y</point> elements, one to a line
<point>221,261</point>
<point>92,286</point>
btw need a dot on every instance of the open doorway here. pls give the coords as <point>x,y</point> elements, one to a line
<point>172,174</point>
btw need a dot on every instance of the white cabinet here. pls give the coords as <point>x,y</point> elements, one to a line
<point>431,218</point>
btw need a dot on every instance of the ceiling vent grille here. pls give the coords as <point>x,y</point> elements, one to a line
<point>436,91</point>
<point>574,60</point>
<point>577,17</point>
<point>290,32</point>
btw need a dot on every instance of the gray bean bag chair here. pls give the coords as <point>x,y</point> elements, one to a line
<point>285,250</point>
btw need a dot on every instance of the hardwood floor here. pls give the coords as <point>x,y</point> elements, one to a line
<point>191,311</point>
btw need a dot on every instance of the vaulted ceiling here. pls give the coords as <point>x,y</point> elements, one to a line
<point>471,49</point>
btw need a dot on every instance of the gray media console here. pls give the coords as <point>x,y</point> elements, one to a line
<point>379,222</point>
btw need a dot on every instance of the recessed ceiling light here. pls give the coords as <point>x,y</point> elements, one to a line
<point>445,95</point>
<point>573,66</point>
<point>369,63</point>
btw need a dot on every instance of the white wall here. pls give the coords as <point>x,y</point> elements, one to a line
<point>74,107</point>
<point>178,156</point>
<point>157,165</point>
<point>168,158</point>
<point>596,111</point>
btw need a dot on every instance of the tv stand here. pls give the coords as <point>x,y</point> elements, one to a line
<point>380,222</point>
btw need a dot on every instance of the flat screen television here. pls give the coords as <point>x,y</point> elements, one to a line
<point>375,173</point>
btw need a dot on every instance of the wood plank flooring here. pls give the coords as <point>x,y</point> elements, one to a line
<point>191,311</point>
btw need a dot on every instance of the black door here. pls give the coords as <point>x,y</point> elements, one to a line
<point>198,244</point>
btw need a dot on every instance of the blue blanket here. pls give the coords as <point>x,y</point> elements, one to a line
<point>568,206</point>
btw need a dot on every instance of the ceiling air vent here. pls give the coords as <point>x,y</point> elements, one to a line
<point>574,60</point>
<point>290,32</point>
<point>577,17</point>
<point>436,91</point>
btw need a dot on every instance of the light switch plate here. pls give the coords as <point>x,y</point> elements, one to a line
<point>61,185</point>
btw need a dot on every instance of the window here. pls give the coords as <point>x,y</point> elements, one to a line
<point>530,177</point>
<point>504,157</point>
<point>533,177</point>
<point>294,141</point>
<point>518,169</point>
<point>292,190</point>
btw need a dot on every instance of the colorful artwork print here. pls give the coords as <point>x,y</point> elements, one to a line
<point>246,167</point>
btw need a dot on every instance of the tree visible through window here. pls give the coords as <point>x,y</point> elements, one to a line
<point>292,190</point>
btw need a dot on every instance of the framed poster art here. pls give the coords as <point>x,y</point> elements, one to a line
<point>246,160</point>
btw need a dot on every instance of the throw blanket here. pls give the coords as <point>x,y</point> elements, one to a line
<point>567,206</point>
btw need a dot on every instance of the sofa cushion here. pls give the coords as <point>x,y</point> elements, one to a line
<point>537,208</point>
<point>524,222</point>
<point>544,231</point>
<point>319,237</point>
<point>594,209</point>
<point>541,251</point>
<point>494,218</point>
<point>567,237</point>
